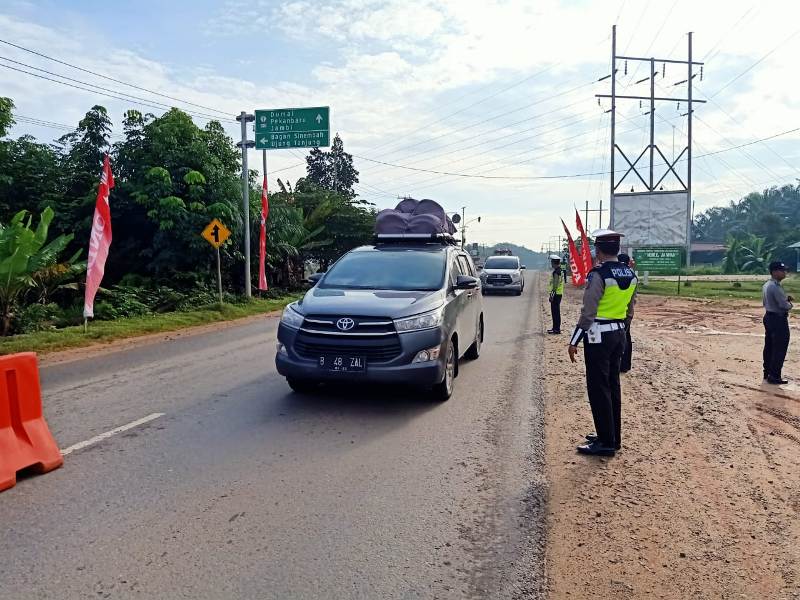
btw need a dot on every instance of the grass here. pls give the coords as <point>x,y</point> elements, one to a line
<point>106,331</point>
<point>718,290</point>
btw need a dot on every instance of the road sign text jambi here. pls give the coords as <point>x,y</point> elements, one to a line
<point>292,127</point>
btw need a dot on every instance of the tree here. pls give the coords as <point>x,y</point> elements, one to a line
<point>6,116</point>
<point>756,254</point>
<point>333,170</point>
<point>81,158</point>
<point>25,256</point>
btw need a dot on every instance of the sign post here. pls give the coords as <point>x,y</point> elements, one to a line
<point>215,234</point>
<point>292,128</point>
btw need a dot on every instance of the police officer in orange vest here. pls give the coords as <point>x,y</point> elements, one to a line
<point>607,303</point>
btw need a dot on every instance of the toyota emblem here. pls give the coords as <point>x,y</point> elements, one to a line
<point>345,324</point>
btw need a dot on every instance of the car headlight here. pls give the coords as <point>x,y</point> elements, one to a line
<point>515,277</point>
<point>427,320</point>
<point>291,316</point>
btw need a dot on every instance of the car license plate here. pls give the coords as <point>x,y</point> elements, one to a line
<point>339,362</point>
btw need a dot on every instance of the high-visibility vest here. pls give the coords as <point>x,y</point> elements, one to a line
<point>559,287</point>
<point>620,285</point>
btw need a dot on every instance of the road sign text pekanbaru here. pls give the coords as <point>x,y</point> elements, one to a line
<point>293,128</point>
<point>216,233</point>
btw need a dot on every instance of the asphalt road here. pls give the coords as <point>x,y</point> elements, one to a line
<point>243,489</point>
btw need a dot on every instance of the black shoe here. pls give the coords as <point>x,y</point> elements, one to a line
<point>592,437</point>
<point>554,332</point>
<point>596,449</point>
<point>777,380</point>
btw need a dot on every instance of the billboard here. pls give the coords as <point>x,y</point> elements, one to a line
<point>652,218</point>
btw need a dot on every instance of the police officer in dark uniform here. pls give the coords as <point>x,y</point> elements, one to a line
<point>625,365</point>
<point>607,304</point>
<point>556,293</point>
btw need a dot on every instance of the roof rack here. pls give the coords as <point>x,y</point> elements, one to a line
<point>426,238</point>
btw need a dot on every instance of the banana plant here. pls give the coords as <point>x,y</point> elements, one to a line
<point>24,255</point>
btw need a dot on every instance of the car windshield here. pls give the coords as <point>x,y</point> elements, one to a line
<point>501,263</point>
<point>403,270</point>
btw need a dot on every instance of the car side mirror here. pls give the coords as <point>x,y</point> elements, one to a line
<point>467,282</point>
<point>523,267</point>
<point>314,279</point>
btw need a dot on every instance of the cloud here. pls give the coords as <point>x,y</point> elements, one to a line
<point>497,87</point>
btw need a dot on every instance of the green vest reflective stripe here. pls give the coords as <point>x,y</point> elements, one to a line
<point>559,287</point>
<point>613,305</point>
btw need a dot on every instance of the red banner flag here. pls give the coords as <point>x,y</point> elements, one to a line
<point>99,240</point>
<point>262,244</point>
<point>586,251</point>
<point>575,260</point>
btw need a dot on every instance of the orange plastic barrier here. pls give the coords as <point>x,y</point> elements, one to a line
<point>25,439</point>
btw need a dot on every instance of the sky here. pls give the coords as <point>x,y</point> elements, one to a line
<point>483,105</point>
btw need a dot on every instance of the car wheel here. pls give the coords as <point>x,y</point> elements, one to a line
<point>474,351</point>
<point>302,386</point>
<point>442,391</point>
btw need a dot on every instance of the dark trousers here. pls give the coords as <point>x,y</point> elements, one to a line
<point>776,343</point>
<point>555,309</point>
<point>625,365</point>
<point>602,383</point>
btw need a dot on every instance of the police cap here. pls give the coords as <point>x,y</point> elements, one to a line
<point>776,266</point>
<point>555,257</point>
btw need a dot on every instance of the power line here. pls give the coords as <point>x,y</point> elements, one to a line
<point>143,89</point>
<point>135,98</point>
<point>494,118</point>
<point>107,95</point>
<point>461,141</point>
<point>569,176</point>
<point>755,64</point>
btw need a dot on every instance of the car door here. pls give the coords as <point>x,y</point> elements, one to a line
<point>472,303</point>
<point>459,304</point>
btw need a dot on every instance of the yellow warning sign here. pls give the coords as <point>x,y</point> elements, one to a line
<point>216,233</point>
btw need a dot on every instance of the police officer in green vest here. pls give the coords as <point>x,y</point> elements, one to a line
<point>556,290</point>
<point>607,303</point>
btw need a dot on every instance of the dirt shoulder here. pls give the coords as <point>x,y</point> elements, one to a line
<point>704,499</point>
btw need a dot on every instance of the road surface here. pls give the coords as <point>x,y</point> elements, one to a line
<point>238,488</point>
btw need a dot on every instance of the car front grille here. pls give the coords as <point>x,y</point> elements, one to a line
<point>374,338</point>
<point>499,279</point>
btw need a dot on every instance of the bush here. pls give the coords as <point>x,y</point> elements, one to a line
<point>36,317</point>
<point>687,284</point>
<point>736,284</point>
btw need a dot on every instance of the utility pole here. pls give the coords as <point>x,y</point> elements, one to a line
<point>672,198</point>
<point>463,224</point>
<point>244,119</point>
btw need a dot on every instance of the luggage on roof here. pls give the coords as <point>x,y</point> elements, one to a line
<point>412,216</point>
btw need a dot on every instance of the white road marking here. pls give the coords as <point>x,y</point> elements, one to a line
<point>108,434</point>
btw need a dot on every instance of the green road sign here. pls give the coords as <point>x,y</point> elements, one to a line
<point>293,128</point>
<point>659,260</point>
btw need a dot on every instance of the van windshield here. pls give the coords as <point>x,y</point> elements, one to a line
<point>501,262</point>
<point>403,270</point>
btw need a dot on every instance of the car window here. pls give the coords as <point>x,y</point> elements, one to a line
<point>387,270</point>
<point>466,267</point>
<point>501,262</point>
<point>455,271</point>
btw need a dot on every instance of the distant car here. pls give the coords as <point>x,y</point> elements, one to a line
<point>399,312</point>
<point>503,273</point>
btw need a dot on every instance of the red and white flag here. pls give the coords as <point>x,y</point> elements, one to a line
<point>262,243</point>
<point>99,240</point>
<point>575,260</point>
<point>586,251</point>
